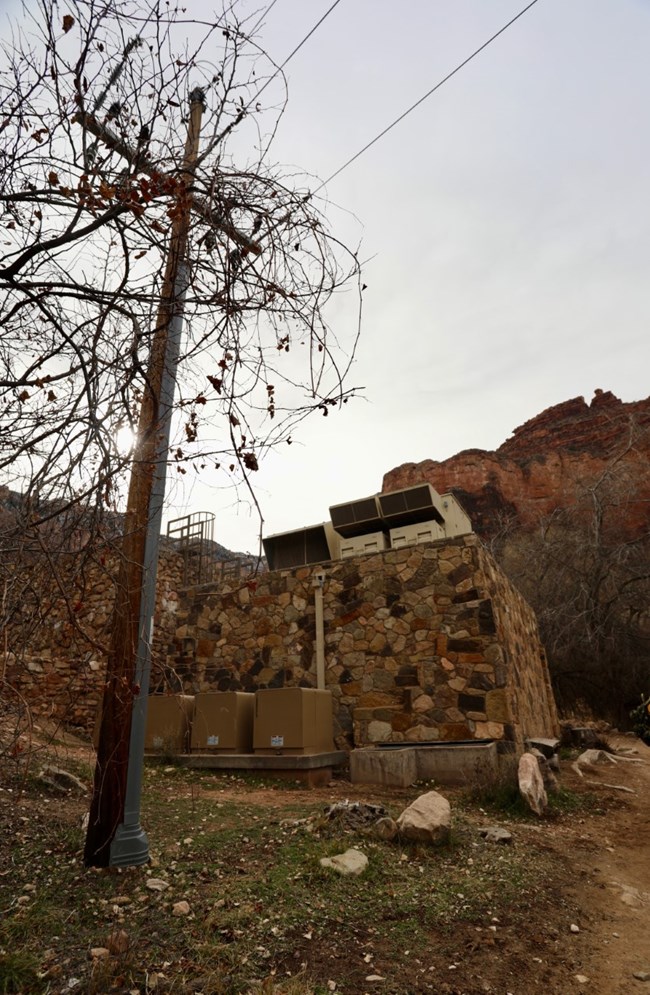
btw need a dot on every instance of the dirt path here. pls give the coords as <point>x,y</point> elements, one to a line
<point>612,884</point>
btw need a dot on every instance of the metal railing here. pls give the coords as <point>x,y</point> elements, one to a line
<point>193,537</point>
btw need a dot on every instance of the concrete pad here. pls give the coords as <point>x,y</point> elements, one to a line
<point>392,768</point>
<point>456,763</point>
<point>314,770</point>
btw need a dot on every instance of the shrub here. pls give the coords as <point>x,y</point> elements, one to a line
<point>641,719</point>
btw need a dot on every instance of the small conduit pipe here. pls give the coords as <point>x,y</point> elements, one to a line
<point>318,582</point>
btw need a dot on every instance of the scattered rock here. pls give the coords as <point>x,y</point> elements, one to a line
<point>590,757</point>
<point>578,735</point>
<point>642,975</point>
<point>98,953</point>
<point>547,747</point>
<point>181,908</point>
<point>531,783</point>
<point>582,979</point>
<point>61,780</point>
<point>157,884</point>
<point>117,942</point>
<point>386,828</point>
<point>351,862</point>
<point>495,834</point>
<point>549,778</point>
<point>427,819</point>
<point>574,928</point>
<point>632,896</point>
<point>375,977</point>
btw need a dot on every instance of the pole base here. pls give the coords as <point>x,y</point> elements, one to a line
<point>130,847</point>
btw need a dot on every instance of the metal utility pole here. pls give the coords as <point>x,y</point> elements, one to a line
<point>114,835</point>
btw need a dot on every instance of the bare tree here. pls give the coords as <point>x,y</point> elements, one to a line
<point>94,100</point>
<point>585,570</point>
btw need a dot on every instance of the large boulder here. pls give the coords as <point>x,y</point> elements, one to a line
<point>531,783</point>
<point>426,820</point>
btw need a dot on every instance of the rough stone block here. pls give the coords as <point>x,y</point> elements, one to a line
<point>496,705</point>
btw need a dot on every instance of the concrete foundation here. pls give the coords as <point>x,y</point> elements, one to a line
<point>456,764</point>
<point>447,763</point>
<point>314,770</point>
<point>392,768</point>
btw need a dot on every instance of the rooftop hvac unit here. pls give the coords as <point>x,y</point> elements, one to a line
<point>411,535</point>
<point>411,506</point>
<point>356,518</point>
<point>457,521</point>
<point>313,544</point>
<point>361,545</point>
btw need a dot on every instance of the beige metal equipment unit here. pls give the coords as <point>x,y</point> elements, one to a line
<point>223,722</point>
<point>293,721</point>
<point>169,718</point>
<point>411,506</point>
<point>457,521</point>
<point>374,542</point>
<point>356,518</point>
<point>312,544</point>
<point>411,535</point>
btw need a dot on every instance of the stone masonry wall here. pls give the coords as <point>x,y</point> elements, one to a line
<point>422,643</point>
<point>58,668</point>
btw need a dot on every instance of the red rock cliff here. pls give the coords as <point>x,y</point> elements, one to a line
<point>549,463</point>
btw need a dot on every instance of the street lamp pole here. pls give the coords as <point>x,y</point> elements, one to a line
<point>115,836</point>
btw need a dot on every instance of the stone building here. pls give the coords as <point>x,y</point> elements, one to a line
<point>423,643</point>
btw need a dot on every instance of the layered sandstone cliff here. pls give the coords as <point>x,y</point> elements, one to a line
<point>551,462</point>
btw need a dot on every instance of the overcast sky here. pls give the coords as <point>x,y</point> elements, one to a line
<point>506,223</point>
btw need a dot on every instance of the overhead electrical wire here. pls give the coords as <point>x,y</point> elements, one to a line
<point>295,50</point>
<point>426,95</point>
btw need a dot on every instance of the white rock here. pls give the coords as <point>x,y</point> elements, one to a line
<point>531,783</point>
<point>590,757</point>
<point>351,862</point>
<point>181,908</point>
<point>582,979</point>
<point>427,819</point>
<point>157,884</point>
<point>495,834</point>
<point>574,928</point>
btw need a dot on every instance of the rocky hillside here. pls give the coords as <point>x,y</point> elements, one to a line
<point>550,462</point>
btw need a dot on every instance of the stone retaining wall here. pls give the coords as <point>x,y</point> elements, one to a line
<point>422,643</point>
<point>57,664</point>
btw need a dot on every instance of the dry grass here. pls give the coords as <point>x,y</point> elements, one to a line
<point>264,916</point>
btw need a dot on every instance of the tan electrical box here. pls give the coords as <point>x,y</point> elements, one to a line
<point>169,717</point>
<point>374,542</point>
<point>411,535</point>
<point>223,722</point>
<point>293,720</point>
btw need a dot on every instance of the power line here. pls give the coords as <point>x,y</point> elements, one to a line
<point>296,49</point>
<point>426,95</point>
